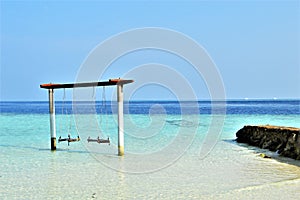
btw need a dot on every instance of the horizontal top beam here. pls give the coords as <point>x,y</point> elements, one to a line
<point>110,82</point>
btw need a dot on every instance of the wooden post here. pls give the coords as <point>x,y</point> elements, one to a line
<point>52,119</point>
<point>120,120</point>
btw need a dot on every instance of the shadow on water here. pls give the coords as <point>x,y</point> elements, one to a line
<point>23,147</point>
<point>58,150</point>
<point>42,149</point>
<point>181,123</point>
<point>267,152</point>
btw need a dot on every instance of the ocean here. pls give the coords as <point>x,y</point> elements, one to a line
<point>173,150</point>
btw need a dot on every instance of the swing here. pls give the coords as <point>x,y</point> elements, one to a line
<point>68,139</point>
<point>98,140</point>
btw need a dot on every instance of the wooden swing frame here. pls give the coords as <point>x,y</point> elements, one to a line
<point>111,82</point>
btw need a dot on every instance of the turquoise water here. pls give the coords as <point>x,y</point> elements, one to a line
<point>163,158</point>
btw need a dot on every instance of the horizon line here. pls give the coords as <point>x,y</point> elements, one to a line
<point>140,100</point>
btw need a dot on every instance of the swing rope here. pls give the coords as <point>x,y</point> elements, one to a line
<point>102,111</point>
<point>68,120</point>
<point>104,106</point>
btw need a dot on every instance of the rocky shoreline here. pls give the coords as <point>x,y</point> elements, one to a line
<point>283,140</point>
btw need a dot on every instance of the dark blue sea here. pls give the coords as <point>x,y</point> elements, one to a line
<point>251,107</point>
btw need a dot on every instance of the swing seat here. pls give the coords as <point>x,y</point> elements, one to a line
<point>74,139</point>
<point>69,139</point>
<point>98,140</point>
<point>62,139</point>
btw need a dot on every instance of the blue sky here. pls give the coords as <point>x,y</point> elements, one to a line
<point>254,44</point>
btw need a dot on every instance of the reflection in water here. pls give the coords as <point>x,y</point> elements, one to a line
<point>181,123</point>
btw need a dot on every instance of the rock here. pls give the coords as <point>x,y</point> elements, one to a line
<point>284,140</point>
<point>264,155</point>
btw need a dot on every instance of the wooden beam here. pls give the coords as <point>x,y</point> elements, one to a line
<point>111,82</point>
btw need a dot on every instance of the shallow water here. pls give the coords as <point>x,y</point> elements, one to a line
<point>163,159</point>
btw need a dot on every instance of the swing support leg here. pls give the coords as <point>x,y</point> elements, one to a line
<point>52,119</point>
<point>120,120</point>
